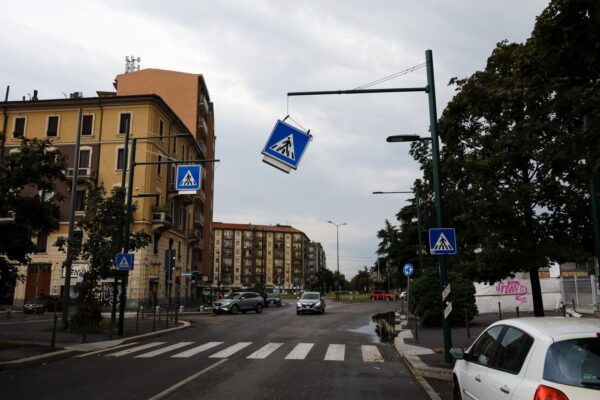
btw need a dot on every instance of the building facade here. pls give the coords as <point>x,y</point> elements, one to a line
<point>316,262</point>
<point>178,224</point>
<point>247,255</point>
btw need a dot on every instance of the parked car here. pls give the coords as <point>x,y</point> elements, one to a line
<point>531,358</point>
<point>43,303</point>
<point>234,303</point>
<point>382,295</point>
<point>273,299</point>
<point>311,302</point>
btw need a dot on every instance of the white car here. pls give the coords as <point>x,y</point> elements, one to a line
<point>548,358</point>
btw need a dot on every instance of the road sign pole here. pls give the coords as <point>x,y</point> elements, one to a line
<point>435,161</point>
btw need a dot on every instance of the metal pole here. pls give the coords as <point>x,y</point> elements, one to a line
<point>438,190</point>
<point>594,190</point>
<point>417,191</point>
<point>337,236</point>
<point>467,323</point>
<point>69,260</point>
<point>123,296</point>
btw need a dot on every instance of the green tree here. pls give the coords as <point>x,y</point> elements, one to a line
<point>103,226</point>
<point>25,212</point>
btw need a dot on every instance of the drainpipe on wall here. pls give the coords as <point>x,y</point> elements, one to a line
<point>4,124</point>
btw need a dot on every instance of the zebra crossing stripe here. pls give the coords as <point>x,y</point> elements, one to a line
<point>231,350</point>
<point>371,353</point>
<point>195,350</point>
<point>164,350</point>
<point>300,351</point>
<point>335,352</point>
<point>135,349</point>
<point>265,351</point>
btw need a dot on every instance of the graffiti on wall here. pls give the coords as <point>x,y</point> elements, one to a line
<point>105,293</point>
<point>513,287</point>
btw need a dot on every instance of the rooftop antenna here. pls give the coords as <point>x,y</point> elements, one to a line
<point>132,64</point>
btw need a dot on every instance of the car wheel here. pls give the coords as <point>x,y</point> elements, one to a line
<point>244,311</point>
<point>259,308</point>
<point>298,313</point>
<point>234,310</point>
<point>456,390</point>
<point>279,305</point>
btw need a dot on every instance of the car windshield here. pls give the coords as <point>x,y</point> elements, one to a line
<point>574,362</point>
<point>232,296</point>
<point>310,296</point>
<point>272,295</point>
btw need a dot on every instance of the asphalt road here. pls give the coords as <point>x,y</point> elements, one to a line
<point>273,355</point>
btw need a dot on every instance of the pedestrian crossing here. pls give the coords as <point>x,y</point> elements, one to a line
<point>254,351</point>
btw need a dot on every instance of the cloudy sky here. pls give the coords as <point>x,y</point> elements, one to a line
<point>251,54</point>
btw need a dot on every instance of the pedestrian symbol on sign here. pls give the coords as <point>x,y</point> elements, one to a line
<point>188,180</point>
<point>285,147</point>
<point>442,244</point>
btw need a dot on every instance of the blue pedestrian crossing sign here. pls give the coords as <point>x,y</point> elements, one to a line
<point>408,269</point>
<point>285,146</point>
<point>442,241</point>
<point>188,178</point>
<point>124,261</point>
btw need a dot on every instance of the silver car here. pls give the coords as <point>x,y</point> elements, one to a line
<point>237,302</point>
<point>311,302</point>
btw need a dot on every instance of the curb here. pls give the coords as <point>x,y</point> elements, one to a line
<point>70,350</point>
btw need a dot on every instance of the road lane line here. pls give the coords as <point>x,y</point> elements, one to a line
<point>105,350</point>
<point>186,381</point>
<point>370,353</point>
<point>265,351</point>
<point>164,350</point>
<point>134,349</point>
<point>195,350</point>
<point>300,351</point>
<point>231,350</point>
<point>335,352</point>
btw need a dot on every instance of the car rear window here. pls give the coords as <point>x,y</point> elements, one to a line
<point>574,362</point>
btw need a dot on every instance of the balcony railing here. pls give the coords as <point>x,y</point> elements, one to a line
<point>83,174</point>
<point>162,218</point>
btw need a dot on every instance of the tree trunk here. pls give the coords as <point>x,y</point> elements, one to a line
<point>536,293</point>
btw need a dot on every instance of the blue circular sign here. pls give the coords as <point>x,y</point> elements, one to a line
<point>408,269</point>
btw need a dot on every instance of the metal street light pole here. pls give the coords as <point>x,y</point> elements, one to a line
<point>337,235</point>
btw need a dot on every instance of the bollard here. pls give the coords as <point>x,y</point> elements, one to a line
<point>159,312</point>
<point>416,328</point>
<point>176,313</point>
<point>167,317</point>
<point>143,312</point>
<point>517,311</point>
<point>180,308</point>
<point>201,309</point>
<point>564,309</point>
<point>9,313</point>
<point>573,301</point>
<point>53,342</point>
<point>499,311</point>
<point>137,320</point>
<point>154,319</point>
<point>467,322</point>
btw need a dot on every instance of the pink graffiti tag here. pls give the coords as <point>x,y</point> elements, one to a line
<point>513,287</point>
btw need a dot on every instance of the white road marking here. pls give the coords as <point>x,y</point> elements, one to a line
<point>105,350</point>
<point>335,352</point>
<point>196,350</point>
<point>186,381</point>
<point>300,351</point>
<point>265,351</point>
<point>231,350</point>
<point>134,349</point>
<point>371,354</point>
<point>164,350</point>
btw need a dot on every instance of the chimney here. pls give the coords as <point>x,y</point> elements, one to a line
<point>35,98</point>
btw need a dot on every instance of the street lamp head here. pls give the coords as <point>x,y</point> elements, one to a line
<point>377,192</point>
<point>402,138</point>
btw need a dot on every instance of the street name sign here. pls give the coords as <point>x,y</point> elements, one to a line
<point>186,274</point>
<point>442,241</point>
<point>285,147</point>
<point>408,269</point>
<point>188,179</point>
<point>124,262</point>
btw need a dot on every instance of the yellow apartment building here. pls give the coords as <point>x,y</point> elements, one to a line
<point>179,224</point>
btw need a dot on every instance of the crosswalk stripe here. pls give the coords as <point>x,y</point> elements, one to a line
<point>335,352</point>
<point>135,349</point>
<point>265,351</point>
<point>164,350</point>
<point>195,350</point>
<point>300,351</point>
<point>231,350</point>
<point>371,353</point>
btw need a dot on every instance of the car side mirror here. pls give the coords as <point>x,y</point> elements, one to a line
<point>458,353</point>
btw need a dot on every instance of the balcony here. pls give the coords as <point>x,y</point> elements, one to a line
<point>202,127</point>
<point>85,175</point>
<point>199,219</point>
<point>161,221</point>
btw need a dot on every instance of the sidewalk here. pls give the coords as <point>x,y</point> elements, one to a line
<point>423,349</point>
<point>25,339</point>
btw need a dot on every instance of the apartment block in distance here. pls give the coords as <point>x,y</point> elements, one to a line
<point>316,262</point>
<point>179,224</point>
<point>247,255</point>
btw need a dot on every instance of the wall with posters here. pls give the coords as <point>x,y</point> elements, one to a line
<point>516,292</point>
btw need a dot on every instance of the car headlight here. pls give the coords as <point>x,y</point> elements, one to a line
<point>298,304</point>
<point>318,304</point>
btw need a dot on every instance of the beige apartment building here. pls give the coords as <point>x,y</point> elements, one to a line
<point>246,255</point>
<point>150,105</point>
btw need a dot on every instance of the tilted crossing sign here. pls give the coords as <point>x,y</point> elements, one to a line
<point>442,241</point>
<point>188,178</point>
<point>124,261</point>
<point>285,146</point>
